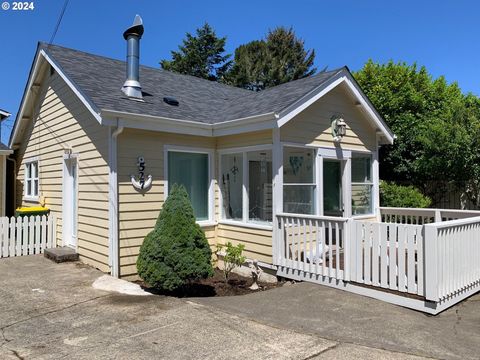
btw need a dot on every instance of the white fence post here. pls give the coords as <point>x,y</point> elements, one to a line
<point>431,262</point>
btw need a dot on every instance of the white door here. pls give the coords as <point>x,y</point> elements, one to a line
<point>70,203</point>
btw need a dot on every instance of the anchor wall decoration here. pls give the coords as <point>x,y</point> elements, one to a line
<point>141,183</point>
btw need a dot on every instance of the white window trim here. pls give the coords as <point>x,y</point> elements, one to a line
<point>65,202</point>
<point>371,183</point>
<point>317,180</point>
<point>211,179</point>
<point>27,197</point>
<point>245,200</point>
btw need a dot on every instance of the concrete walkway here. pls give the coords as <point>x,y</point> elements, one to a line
<point>346,318</point>
<point>51,311</point>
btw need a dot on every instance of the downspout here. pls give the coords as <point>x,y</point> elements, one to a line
<point>113,202</point>
<point>14,161</point>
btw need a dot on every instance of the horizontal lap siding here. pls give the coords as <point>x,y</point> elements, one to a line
<point>313,125</point>
<point>61,121</point>
<point>258,243</point>
<point>138,212</point>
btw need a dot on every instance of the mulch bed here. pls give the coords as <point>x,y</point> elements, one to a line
<point>214,286</point>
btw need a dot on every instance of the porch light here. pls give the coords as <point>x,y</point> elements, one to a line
<point>339,128</point>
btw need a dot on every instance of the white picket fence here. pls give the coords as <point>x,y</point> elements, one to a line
<point>389,256</point>
<point>30,235</point>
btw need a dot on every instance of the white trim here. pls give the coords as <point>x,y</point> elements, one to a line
<point>83,98</point>
<point>37,63</point>
<point>245,184</point>
<point>211,175</point>
<point>248,225</point>
<point>343,76</point>
<point>334,153</point>
<point>4,115</point>
<point>322,90</point>
<point>26,197</point>
<point>113,237</point>
<point>66,203</point>
<point>206,223</point>
<point>4,185</point>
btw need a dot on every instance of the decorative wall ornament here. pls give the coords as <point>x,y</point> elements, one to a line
<point>296,163</point>
<point>339,128</point>
<point>141,183</point>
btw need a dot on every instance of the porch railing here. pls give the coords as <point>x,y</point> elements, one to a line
<point>420,216</point>
<point>452,258</point>
<point>314,244</point>
<point>388,256</point>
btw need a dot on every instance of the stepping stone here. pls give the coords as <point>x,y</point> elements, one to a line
<point>61,254</point>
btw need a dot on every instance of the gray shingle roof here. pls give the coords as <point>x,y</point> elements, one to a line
<point>101,79</point>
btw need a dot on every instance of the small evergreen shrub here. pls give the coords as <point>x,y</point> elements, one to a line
<point>393,195</point>
<point>232,258</point>
<point>176,251</point>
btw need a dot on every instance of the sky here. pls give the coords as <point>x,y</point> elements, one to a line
<point>441,35</point>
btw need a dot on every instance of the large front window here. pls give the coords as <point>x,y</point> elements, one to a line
<point>362,184</point>
<point>246,186</point>
<point>298,180</point>
<point>191,170</point>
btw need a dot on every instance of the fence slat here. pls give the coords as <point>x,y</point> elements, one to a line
<point>375,253</point>
<point>402,232</point>
<point>383,256</point>
<point>366,254</point>
<point>392,254</point>
<point>31,234</point>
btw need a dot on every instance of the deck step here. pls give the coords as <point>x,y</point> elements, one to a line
<point>61,254</point>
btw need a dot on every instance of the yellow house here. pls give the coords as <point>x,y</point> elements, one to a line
<point>101,150</point>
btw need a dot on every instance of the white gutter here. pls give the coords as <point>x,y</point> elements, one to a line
<point>159,123</point>
<point>113,241</point>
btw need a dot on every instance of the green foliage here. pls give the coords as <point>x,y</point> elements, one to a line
<point>278,59</point>
<point>176,251</point>
<point>232,258</point>
<point>201,55</point>
<point>437,126</point>
<point>393,195</point>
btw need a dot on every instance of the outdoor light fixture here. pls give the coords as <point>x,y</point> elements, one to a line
<point>339,128</point>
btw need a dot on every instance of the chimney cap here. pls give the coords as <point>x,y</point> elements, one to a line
<point>136,28</point>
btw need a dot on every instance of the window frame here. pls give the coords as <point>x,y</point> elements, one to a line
<point>211,182</point>
<point>315,175</point>
<point>26,196</point>
<point>364,154</point>
<point>245,187</point>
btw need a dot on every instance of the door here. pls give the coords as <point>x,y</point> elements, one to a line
<point>332,188</point>
<point>70,202</point>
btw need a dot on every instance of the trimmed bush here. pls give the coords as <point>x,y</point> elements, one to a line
<point>393,195</point>
<point>176,251</point>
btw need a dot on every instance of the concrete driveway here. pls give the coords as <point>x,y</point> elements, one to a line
<point>50,311</point>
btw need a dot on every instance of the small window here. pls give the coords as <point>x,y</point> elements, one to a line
<point>298,180</point>
<point>362,184</point>
<point>31,179</point>
<point>191,171</point>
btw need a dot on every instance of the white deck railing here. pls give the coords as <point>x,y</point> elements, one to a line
<point>26,235</point>
<point>388,256</point>
<point>314,244</point>
<point>452,258</point>
<point>420,216</point>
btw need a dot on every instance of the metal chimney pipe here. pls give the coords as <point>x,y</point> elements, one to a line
<point>133,34</point>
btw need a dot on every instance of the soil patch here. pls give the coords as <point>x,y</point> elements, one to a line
<point>214,286</point>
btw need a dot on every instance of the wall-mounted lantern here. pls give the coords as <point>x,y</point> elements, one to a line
<point>339,128</point>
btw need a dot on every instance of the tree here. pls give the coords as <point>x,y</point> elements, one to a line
<point>278,59</point>
<point>202,55</point>
<point>176,251</point>
<point>435,123</point>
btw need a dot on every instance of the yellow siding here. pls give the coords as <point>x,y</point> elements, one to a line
<point>312,126</point>
<point>248,139</point>
<point>61,120</point>
<point>139,211</point>
<point>258,243</point>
